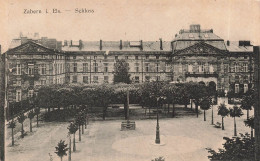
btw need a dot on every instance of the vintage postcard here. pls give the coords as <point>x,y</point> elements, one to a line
<point>129,80</point>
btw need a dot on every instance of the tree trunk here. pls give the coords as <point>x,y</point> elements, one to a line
<point>173,110</point>
<point>223,123</point>
<point>168,109</point>
<point>252,133</point>
<point>186,105</point>
<point>197,109</point>
<point>247,116</point>
<point>127,105</point>
<point>22,130</point>
<point>204,115</point>
<point>149,111</point>
<point>212,118</point>
<point>74,143</point>
<point>30,125</point>
<point>191,104</point>
<point>125,110</point>
<point>104,113</point>
<point>79,134</point>
<point>85,122</point>
<point>60,158</point>
<point>235,127</point>
<point>69,158</point>
<point>82,129</point>
<point>12,136</point>
<point>49,109</point>
<point>37,118</point>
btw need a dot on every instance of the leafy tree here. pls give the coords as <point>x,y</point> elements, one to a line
<point>61,149</point>
<point>247,102</point>
<point>21,119</point>
<point>183,94</point>
<point>73,127</point>
<point>197,92</point>
<point>103,95</point>
<point>44,98</point>
<point>250,123</point>
<point>223,112</point>
<point>235,149</point>
<point>12,125</point>
<point>235,112</point>
<point>205,105</point>
<point>121,72</point>
<point>170,91</point>
<point>37,112</point>
<point>31,116</point>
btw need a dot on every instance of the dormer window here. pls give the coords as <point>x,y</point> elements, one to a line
<point>206,35</point>
<point>191,36</point>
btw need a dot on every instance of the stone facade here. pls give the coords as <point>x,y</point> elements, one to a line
<point>194,55</point>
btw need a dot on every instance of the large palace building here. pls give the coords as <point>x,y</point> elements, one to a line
<point>194,55</point>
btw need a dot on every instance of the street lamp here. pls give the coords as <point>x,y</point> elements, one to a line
<point>157,139</point>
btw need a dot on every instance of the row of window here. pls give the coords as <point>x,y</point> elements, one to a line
<point>30,69</point>
<point>115,57</point>
<point>239,68</point>
<point>19,94</point>
<point>237,88</point>
<point>205,67</point>
<point>59,68</point>
<point>96,79</point>
<point>95,65</point>
<point>36,56</point>
<point>86,79</point>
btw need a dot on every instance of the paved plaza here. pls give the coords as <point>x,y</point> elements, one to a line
<point>184,138</point>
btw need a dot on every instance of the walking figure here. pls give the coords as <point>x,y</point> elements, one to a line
<point>50,157</point>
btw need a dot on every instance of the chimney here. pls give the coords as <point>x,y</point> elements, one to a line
<point>24,40</point>
<point>228,43</point>
<point>70,42</point>
<point>80,44</point>
<point>0,50</point>
<point>100,45</point>
<point>161,45</point>
<point>121,45</point>
<point>141,44</point>
<point>195,28</point>
<point>65,43</point>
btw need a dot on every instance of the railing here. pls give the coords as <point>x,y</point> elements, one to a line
<point>204,74</point>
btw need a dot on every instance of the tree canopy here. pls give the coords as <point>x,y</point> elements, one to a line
<point>121,72</point>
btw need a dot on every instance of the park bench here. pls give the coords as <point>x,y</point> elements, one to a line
<point>155,111</point>
<point>128,125</point>
<point>218,125</point>
<point>115,106</point>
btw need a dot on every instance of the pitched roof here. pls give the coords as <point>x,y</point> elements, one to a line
<point>234,47</point>
<point>197,36</point>
<point>31,44</point>
<point>180,45</point>
<point>115,46</point>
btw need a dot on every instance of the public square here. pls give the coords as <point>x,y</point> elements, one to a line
<point>183,139</point>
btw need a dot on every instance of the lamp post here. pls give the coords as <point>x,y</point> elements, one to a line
<point>157,139</point>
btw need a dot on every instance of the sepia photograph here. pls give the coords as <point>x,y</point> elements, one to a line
<point>129,80</point>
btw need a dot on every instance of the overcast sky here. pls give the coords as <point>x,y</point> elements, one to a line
<point>129,19</point>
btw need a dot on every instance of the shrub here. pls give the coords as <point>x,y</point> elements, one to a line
<point>235,149</point>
